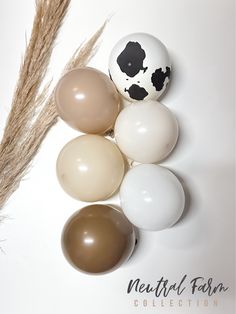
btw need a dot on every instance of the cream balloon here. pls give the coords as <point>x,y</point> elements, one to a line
<point>152,197</point>
<point>146,131</point>
<point>90,168</point>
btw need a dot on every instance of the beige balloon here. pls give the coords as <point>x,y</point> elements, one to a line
<point>87,100</point>
<point>90,168</point>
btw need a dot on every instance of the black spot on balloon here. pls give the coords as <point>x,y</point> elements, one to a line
<point>131,59</point>
<point>158,78</point>
<point>136,92</point>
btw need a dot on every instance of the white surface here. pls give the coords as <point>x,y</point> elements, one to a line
<point>34,276</point>
<point>151,196</point>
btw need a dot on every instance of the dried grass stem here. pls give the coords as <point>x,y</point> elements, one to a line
<point>32,113</point>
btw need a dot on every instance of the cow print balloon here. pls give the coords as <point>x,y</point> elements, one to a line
<point>140,67</point>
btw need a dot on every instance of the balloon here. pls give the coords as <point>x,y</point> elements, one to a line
<point>152,198</point>
<point>90,168</point>
<point>140,67</point>
<point>87,100</point>
<point>98,239</point>
<point>146,131</point>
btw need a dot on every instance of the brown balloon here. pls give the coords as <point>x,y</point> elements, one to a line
<point>87,100</point>
<point>98,239</point>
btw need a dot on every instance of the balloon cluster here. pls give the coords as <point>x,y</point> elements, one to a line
<point>99,238</point>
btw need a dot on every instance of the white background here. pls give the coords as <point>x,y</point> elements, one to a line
<point>34,276</point>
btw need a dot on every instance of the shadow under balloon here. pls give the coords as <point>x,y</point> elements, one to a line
<point>142,243</point>
<point>144,247</point>
<point>178,77</point>
<point>188,199</point>
<point>149,241</point>
<point>181,139</point>
<point>190,229</point>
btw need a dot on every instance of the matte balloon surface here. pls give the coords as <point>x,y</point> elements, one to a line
<point>90,168</point>
<point>87,100</point>
<point>140,67</point>
<point>152,197</point>
<point>146,131</point>
<point>98,239</point>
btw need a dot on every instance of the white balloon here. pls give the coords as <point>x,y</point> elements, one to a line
<point>152,197</point>
<point>139,65</point>
<point>146,131</point>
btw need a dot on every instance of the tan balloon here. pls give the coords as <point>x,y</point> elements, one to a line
<point>87,100</point>
<point>98,239</point>
<point>90,168</point>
